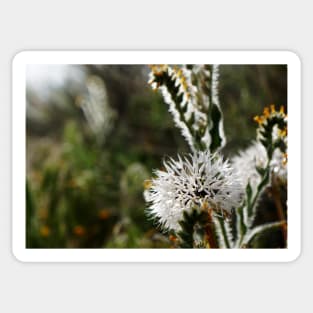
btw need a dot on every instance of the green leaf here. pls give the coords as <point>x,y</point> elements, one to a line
<point>260,170</point>
<point>261,229</point>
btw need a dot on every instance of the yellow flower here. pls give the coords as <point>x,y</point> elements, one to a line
<point>79,230</point>
<point>269,112</point>
<point>158,69</point>
<point>259,119</point>
<point>147,184</point>
<point>266,112</point>
<point>104,214</point>
<point>44,231</point>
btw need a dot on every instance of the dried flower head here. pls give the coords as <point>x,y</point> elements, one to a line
<point>198,181</point>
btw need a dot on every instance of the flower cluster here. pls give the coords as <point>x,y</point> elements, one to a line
<point>199,181</point>
<point>255,156</point>
<point>270,113</point>
<point>272,131</point>
<point>193,196</point>
<point>173,85</point>
<point>192,109</point>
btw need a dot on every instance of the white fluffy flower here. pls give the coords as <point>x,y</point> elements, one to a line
<point>198,181</point>
<point>279,166</point>
<point>254,156</point>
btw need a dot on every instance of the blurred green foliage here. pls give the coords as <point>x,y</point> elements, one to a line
<point>244,92</point>
<point>86,194</point>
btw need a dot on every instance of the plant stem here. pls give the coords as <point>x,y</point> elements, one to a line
<point>259,229</point>
<point>210,231</point>
<point>224,232</point>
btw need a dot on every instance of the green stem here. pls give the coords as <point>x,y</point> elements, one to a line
<point>224,232</point>
<point>242,226</point>
<point>264,181</point>
<point>260,229</point>
<point>249,206</point>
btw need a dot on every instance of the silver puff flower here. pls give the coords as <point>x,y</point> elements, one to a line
<point>198,181</point>
<point>247,161</point>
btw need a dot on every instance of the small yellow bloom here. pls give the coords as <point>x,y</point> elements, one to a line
<point>283,132</point>
<point>172,238</point>
<point>184,82</point>
<point>104,214</point>
<point>179,73</point>
<point>44,231</point>
<point>147,184</point>
<point>158,69</point>
<point>266,112</point>
<point>79,230</point>
<point>205,206</point>
<point>258,119</point>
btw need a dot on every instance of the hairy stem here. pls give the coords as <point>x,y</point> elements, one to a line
<point>260,229</point>
<point>224,232</point>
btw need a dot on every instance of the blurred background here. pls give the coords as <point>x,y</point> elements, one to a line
<point>96,132</point>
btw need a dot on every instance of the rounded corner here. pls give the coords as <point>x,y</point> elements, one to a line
<point>17,255</point>
<point>294,57</point>
<point>19,56</point>
<point>294,256</point>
